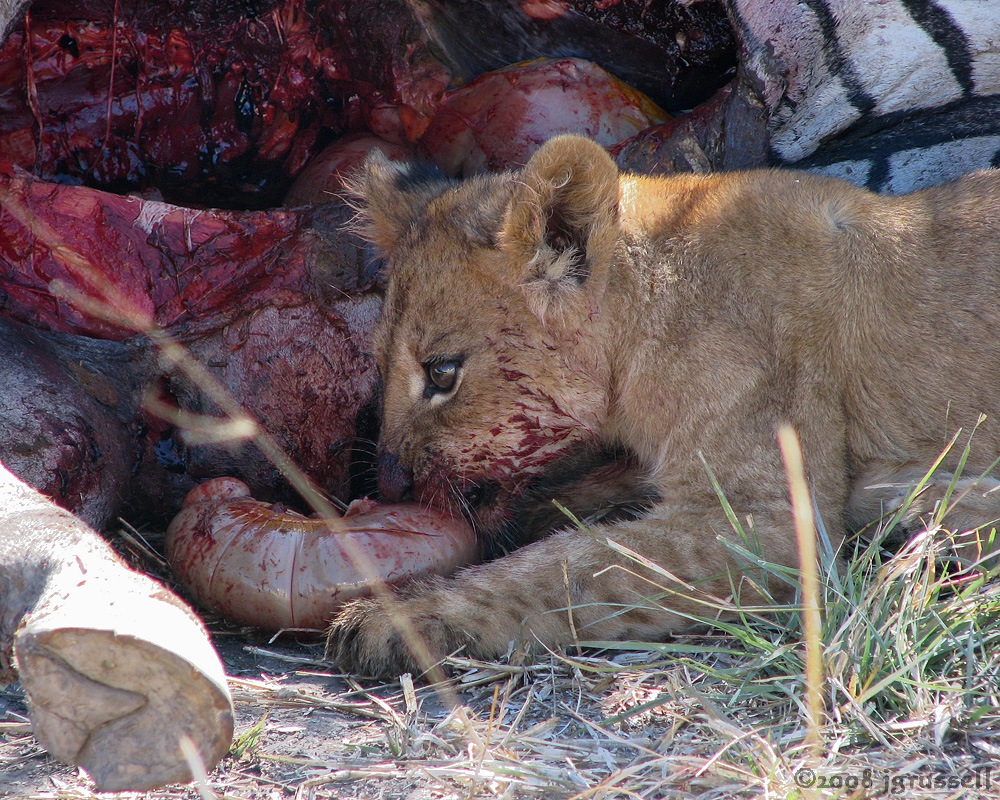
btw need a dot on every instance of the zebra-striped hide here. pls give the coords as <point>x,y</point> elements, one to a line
<point>892,94</point>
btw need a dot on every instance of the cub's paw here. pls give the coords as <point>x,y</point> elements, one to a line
<point>370,637</point>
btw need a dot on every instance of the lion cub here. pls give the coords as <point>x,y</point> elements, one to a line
<point>566,308</point>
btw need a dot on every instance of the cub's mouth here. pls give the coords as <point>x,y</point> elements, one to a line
<point>490,510</point>
<point>481,501</point>
<point>595,484</point>
<point>482,494</point>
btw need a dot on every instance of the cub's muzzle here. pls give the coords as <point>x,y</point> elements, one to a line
<point>395,481</point>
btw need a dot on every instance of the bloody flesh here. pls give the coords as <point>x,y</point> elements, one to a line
<point>186,270</point>
<point>277,306</point>
<point>209,103</point>
<point>222,103</point>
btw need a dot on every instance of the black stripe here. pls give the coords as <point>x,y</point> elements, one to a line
<point>906,130</point>
<point>940,26</point>
<point>879,175</point>
<point>960,121</point>
<point>837,61</point>
<point>751,42</point>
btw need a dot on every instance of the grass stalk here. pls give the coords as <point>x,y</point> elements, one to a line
<point>812,625</point>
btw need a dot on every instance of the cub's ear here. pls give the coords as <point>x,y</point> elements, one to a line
<point>390,195</point>
<point>562,222</point>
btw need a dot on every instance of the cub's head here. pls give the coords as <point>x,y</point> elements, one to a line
<point>493,347</point>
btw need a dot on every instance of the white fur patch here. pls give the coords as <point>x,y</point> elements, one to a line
<point>895,59</point>
<point>855,172</point>
<point>980,22</point>
<point>929,166</point>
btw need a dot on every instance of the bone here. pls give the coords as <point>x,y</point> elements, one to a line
<point>116,669</point>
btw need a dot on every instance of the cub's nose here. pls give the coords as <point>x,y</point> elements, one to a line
<point>395,482</point>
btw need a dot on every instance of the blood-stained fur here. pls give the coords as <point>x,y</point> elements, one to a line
<point>672,322</point>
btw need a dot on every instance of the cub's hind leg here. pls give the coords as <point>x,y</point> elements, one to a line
<point>968,506</point>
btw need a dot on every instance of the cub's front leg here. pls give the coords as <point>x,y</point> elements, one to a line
<point>571,586</point>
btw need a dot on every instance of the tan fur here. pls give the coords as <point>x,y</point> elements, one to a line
<point>674,318</point>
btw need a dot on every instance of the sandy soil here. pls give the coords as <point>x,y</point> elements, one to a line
<point>304,731</point>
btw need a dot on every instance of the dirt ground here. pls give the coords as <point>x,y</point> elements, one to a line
<point>304,731</point>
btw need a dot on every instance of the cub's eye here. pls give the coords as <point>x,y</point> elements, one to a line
<point>442,375</point>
